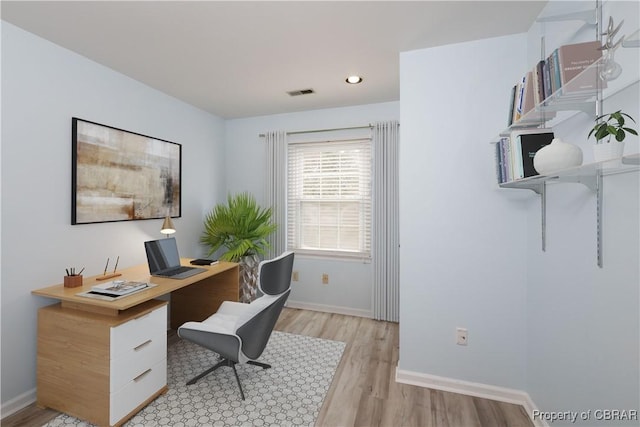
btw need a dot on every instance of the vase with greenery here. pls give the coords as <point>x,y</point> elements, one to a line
<point>242,227</point>
<point>615,126</point>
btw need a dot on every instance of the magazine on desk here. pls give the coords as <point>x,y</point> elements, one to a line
<point>116,289</point>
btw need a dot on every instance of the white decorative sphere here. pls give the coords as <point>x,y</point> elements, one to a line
<point>556,156</point>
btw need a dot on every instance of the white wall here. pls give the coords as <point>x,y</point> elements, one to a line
<point>550,323</point>
<point>583,321</point>
<point>349,288</point>
<point>462,240</point>
<point>43,87</point>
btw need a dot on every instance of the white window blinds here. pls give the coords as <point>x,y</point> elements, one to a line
<point>329,198</point>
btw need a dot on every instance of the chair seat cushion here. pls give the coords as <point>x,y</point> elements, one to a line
<point>232,308</point>
<point>217,323</point>
<point>255,307</point>
<point>231,315</point>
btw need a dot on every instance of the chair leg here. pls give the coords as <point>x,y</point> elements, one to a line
<point>223,362</point>
<point>260,364</point>
<point>227,362</point>
<point>233,365</point>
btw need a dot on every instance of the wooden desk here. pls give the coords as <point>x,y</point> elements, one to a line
<point>194,298</point>
<point>103,361</point>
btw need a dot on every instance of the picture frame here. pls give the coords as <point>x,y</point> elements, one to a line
<point>118,175</point>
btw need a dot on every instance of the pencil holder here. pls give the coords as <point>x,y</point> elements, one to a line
<point>72,281</point>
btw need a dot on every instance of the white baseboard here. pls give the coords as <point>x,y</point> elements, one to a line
<point>468,388</point>
<point>18,403</point>
<point>330,309</point>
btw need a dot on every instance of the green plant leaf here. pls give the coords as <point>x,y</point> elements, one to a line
<point>617,116</point>
<point>614,125</point>
<point>601,132</point>
<point>240,226</point>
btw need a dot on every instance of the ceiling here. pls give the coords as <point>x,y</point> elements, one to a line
<point>240,58</point>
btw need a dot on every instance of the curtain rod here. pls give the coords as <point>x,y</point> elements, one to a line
<point>262,135</point>
<point>366,138</point>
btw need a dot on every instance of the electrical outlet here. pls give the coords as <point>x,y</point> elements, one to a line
<point>294,276</point>
<point>461,336</point>
<point>325,279</point>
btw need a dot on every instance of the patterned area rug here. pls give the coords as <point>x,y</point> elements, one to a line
<point>289,394</point>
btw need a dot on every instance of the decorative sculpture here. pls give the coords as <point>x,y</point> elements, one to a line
<point>611,70</point>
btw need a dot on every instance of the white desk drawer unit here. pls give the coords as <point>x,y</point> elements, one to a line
<point>136,331</point>
<point>138,361</point>
<point>137,391</point>
<point>112,365</point>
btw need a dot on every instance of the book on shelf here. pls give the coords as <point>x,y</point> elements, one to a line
<point>528,97</point>
<point>524,101</point>
<point>517,103</point>
<point>564,69</point>
<point>525,145</point>
<point>546,78</point>
<point>538,83</point>
<point>573,60</point>
<point>556,82</point>
<point>568,71</point>
<point>515,153</point>
<point>503,162</point>
<point>529,93</point>
<point>512,104</point>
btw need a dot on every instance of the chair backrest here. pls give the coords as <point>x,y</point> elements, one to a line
<point>274,275</point>
<point>275,282</point>
<point>256,332</point>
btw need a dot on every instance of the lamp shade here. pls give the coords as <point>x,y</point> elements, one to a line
<point>167,226</point>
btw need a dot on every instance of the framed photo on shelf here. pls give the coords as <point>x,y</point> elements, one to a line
<point>119,175</point>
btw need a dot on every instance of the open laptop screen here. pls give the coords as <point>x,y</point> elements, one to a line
<point>162,254</point>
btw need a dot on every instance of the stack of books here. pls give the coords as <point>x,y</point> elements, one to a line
<point>118,288</point>
<point>567,72</point>
<point>515,153</point>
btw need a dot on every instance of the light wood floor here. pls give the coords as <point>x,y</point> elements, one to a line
<point>363,392</point>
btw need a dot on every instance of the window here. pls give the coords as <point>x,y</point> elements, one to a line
<point>329,198</point>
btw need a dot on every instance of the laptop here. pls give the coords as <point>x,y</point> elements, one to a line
<point>164,261</point>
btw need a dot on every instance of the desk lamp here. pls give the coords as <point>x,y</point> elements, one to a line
<point>167,226</point>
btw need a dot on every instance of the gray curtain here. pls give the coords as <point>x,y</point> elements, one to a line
<point>277,189</point>
<point>385,236</point>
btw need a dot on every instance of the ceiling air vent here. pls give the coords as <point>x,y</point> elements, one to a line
<point>301,92</point>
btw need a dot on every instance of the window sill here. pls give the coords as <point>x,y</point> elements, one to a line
<point>332,256</point>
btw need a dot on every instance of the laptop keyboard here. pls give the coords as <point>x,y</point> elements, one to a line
<point>177,270</point>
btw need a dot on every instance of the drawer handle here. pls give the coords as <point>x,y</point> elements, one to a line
<point>142,345</point>
<point>142,317</point>
<point>139,377</point>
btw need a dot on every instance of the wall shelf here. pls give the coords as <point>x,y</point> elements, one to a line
<point>584,93</point>
<point>590,175</point>
<point>584,174</point>
<point>569,99</point>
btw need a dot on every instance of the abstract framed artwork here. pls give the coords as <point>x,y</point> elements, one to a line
<point>119,175</point>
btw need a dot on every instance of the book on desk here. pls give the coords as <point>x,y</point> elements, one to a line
<point>115,289</point>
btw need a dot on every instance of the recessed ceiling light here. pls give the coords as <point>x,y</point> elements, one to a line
<point>354,80</point>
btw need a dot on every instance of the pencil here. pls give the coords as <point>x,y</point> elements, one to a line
<point>105,268</point>
<point>116,267</point>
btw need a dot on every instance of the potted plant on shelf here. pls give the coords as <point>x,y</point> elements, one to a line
<point>614,126</point>
<point>242,227</point>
